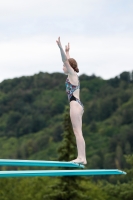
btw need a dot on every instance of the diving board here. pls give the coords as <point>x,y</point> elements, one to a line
<point>38,163</point>
<point>31,173</point>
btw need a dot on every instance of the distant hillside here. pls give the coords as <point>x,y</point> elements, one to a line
<point>31,116</point>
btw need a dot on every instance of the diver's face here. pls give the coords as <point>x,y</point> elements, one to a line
<point>65,69</point>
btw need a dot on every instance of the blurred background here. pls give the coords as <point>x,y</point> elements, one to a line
<point>34,109</point>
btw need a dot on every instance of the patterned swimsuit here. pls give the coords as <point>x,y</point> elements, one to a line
<point>70,89</point>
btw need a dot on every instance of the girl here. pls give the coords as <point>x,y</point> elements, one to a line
<point>70,68</point>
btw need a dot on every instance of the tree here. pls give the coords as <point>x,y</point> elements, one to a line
<point>68,187</point>
<point>121,190</point>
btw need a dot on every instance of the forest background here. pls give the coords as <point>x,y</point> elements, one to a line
<point>32,111</point>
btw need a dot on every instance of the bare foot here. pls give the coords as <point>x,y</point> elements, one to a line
<point>79,161</point>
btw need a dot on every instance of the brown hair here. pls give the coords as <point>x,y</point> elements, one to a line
<point>73,64</point>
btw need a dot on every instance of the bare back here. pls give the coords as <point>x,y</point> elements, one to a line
<point>74,81</point>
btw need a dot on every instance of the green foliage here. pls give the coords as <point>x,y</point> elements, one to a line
<point>24,188</point>
<point>121,190</point>
<point>31,127</point>
<point>67,188</point>
<point>72,187</point>
<point>33,107</point>
<point>66,151</point>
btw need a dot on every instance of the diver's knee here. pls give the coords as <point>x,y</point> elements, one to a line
<point>77,131</point>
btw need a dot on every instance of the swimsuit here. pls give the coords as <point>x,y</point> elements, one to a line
<point>70,89</point>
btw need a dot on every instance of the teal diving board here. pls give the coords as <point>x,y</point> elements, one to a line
<point>38,163</point>
<point>31,173</point>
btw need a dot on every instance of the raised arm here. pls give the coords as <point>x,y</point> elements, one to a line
<point>67,48</point>
<point>63,55</point>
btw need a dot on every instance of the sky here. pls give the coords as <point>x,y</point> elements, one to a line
<point>100,33</point>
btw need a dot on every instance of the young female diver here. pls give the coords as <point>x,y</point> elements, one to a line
<point>70,68</point>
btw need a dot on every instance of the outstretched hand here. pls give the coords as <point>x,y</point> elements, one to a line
<point>59,42</point>
<point>67,48</point>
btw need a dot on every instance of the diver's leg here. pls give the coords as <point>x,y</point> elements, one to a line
<point>76,112</point>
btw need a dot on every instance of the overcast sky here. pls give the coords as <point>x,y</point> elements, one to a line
<point>100,33</point>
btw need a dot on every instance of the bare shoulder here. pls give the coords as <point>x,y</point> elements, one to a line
<point>69,68</point>
<point>73,78</point>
